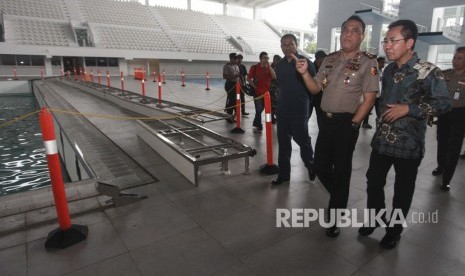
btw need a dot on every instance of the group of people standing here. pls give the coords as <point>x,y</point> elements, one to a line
<point>261,78</point>
<point>407,95</point>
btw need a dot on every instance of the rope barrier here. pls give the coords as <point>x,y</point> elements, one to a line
<point>19,118</point>
<point>208,104</point>
<point>22,117</point>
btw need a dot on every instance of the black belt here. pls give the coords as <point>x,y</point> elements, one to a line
<point>339,115</point>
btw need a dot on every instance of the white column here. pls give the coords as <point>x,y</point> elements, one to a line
<point>376,37</point>
<point>48,72</point>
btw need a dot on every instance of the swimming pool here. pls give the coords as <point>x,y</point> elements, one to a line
<point>23,164</point>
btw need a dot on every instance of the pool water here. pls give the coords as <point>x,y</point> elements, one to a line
<point>23,164</point>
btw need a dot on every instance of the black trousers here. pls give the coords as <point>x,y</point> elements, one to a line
<point>450,134</point>
<point>316,103</point>
<point>333,157</point>
<point>297,129</point>
<point>404,184</point>
<point>230,88</point>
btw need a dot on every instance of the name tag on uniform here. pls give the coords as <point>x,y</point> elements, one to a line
<point>457,95</point>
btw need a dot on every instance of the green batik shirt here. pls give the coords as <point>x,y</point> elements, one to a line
<point>421,85</point>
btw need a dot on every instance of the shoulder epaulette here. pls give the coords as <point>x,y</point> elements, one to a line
<point>371,56</point>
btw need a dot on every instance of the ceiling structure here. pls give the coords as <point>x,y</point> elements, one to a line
<point>250,3</point>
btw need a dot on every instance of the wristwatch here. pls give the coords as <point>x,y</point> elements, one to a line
<point>355,126</point>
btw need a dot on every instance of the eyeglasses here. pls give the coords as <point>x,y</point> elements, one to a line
<point>391,41</point>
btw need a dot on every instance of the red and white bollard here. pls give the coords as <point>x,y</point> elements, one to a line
<point>159,91</point>
<point>98,76</point>
<point>75,74</point>
<point>182,77</point>
<point>154,76</point>
<point>122,81</point>
<point>144,98</point>
<point>108,78</point>
<point>238,128</point>
<point>67,234</point>
<point>269,168</point>
<point>91,75</point>
<point>80,74</point>
<point>15,77</point>
<point>208,81</point>
<point>164,80</point>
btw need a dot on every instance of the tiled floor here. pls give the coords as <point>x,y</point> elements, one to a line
<point>227,225</point>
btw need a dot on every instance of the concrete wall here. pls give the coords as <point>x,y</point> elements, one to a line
<point>15,87</point>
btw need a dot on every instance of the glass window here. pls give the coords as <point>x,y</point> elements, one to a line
<point>56,61</point>
<point>37,60</point>
<point>8,59</point>
<point>113,62</point>
<point>102,61</point>
<point>91,61</point>
<point>23,60</point>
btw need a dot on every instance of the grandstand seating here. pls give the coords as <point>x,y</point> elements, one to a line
<point>204,43</point>
<point>117,13</point>
<point>188,21</point>
<point>121,37</point>
<point>31,31</point>
<point>131,25</point>
<point>51,9</point>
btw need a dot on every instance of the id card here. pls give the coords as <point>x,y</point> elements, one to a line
<point>457,95</point>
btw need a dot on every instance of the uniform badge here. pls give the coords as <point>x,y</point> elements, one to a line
<point>374,71</point>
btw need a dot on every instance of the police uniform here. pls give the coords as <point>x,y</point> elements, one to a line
<point>344,82</point>
<point>451,127</point>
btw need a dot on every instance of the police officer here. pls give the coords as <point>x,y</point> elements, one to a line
<point>451,126</point>
<point>349,80</point>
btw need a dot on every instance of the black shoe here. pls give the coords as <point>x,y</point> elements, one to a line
<point>311,175</point>
<point>332,232</point>
<point>437,172</point>
<point>273,121</point>
<point>366,231</point>
<point>445,187</point>
<point>389,241</point>
<point>279,181</point>
<point>230,121</point>
<point>462,156</point>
